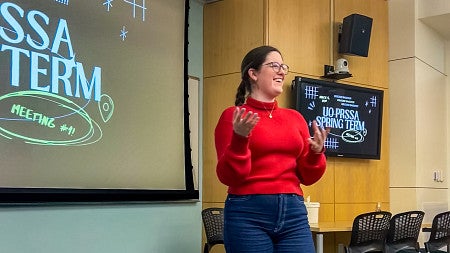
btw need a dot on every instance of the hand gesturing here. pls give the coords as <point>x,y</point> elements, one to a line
<point>244,124</point>
<point>319,137</point>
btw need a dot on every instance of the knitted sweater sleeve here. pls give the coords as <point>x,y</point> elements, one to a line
<point>233,153</point>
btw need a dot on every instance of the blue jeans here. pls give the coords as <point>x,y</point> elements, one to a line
<point>275,223</point>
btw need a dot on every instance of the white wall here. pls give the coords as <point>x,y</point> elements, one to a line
<point>418,109</point>
<point>419,106</point>
<point>428,8</point>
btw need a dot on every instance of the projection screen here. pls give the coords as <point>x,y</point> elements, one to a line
<point>93,101</point>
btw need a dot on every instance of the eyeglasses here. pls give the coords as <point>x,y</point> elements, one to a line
<point>278,66</point>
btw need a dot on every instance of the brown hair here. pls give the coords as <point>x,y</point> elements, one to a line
<point>253,59</point>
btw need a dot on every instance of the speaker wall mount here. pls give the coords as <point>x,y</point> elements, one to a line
<point>354,35</point>
<point>353,39</point>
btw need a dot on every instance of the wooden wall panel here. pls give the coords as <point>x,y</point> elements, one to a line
<point>323,190</point>
<point>219,248</point>
<point>230,29</point>
<point>219,93</point>
<point>326,212</point>
<point>306,33</point>
<point>359,180</point>
<point>301,30</point>
<point>329,244</point>
<point>348,211</point>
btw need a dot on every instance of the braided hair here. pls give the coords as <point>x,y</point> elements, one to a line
<point>253,59</point>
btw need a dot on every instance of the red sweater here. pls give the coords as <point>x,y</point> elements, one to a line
<point>275,158</point>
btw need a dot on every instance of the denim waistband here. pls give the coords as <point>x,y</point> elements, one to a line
<point>269,195</point>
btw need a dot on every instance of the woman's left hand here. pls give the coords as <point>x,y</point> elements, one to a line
<point>320,135</point>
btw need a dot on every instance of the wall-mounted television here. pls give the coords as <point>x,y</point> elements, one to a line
<point>353,113</point>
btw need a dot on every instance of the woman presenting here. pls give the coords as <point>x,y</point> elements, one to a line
<point>264,153</point>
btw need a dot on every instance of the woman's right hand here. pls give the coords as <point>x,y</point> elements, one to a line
<point>244,124</point>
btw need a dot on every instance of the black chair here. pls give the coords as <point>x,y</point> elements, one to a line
<point>369,232</point>
<point>439,240</point>
<point>404,232</point>
<point>213,224</point>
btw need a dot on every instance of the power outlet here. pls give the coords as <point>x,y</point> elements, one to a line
<point>438,176</point>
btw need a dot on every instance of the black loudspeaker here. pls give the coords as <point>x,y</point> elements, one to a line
<point>355,36</point>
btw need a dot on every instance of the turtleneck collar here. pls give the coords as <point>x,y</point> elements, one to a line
<point>261,105</point>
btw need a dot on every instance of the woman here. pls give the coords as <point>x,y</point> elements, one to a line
<point>264,152</point>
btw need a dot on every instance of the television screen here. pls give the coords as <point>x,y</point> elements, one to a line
<point>353,113</point>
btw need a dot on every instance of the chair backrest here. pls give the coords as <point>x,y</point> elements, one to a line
<point>404,231</point>
<point>369,232</point>
<point>440,232</point>
<point>213,224</point>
